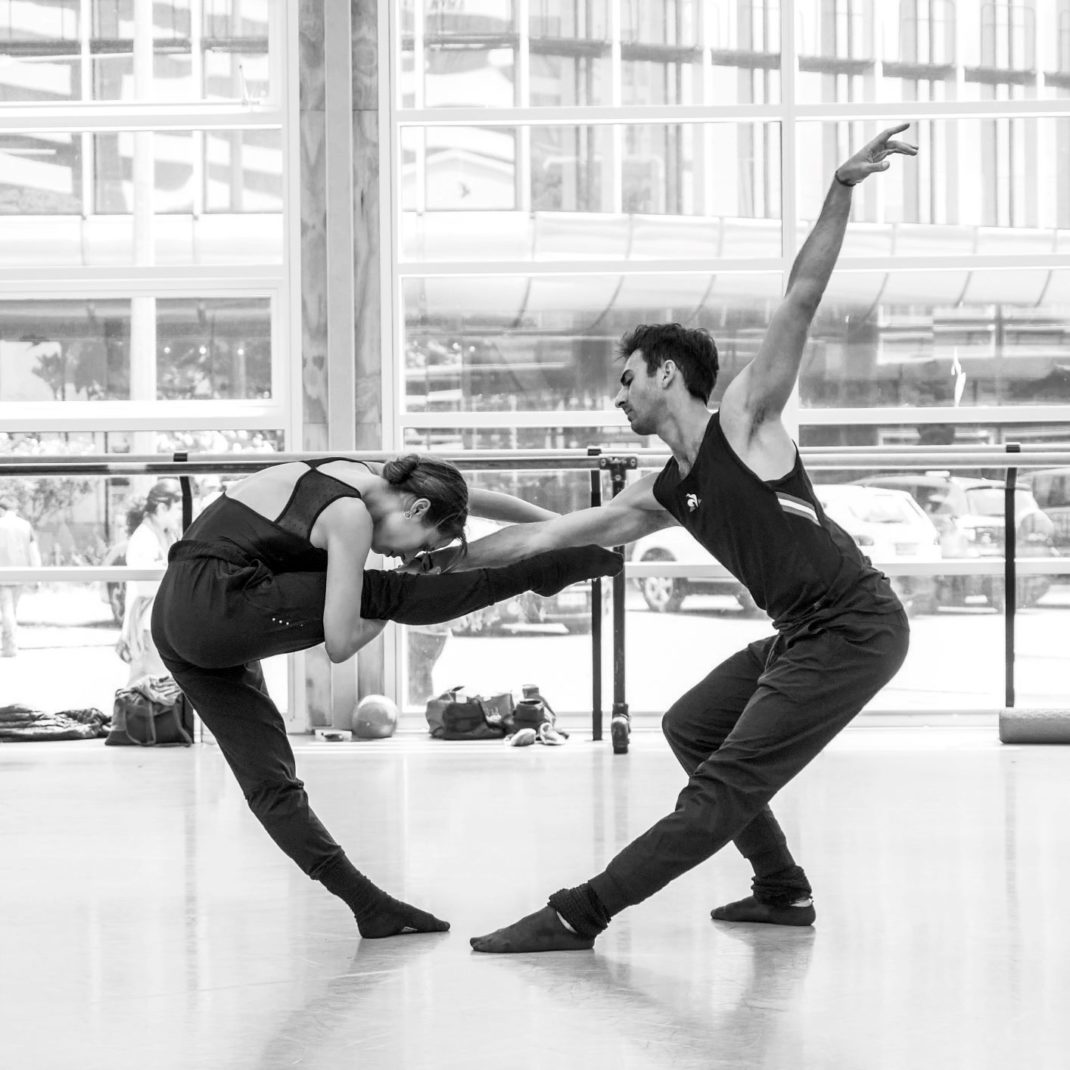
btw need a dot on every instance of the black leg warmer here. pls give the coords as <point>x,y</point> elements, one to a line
<point>782,888</point>
<point>582,909</point>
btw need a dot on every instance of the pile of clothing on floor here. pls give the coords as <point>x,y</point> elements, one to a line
<point>24,724</point>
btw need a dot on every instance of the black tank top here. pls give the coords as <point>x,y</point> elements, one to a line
<point>773,536</point>
<point>283,543</point>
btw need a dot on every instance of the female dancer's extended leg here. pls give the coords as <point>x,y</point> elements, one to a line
<point>217,612</point>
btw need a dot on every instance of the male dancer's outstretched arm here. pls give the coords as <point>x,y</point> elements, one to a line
<point>632,514</point>
<point>754,401</point>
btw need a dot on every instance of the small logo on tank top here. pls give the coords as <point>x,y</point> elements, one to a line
<point>693,501</point>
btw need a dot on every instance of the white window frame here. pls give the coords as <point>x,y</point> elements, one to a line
<point>788,112</point>
<point>279,282</point>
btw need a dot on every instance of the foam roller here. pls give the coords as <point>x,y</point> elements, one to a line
<point>1034,726</point>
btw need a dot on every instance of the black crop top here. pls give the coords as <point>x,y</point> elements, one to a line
<point>283,543</point>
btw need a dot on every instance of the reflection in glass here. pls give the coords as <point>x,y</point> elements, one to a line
<point>971,173</point>
<point>952,338</point>
<point>79,350</point>
<point>39,51</point>
<point>572,168</point>
<point>230,48</point>
<point>113,164</point>
<point>922,339</point>
<point>458,168</point>
<point>64,350</point>
<point>470,54</point>
<point>79,519</point>
<point>510,436</point>
<point>585,199</point>
<point>40,173</point>
<point>717,51</point>
<point>217,348</point>
<point>968,50</point>
<point>242,171</point>
<point>570,53</point>
<point>508,343</point>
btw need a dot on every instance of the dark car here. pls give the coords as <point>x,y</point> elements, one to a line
<point>1051,489</point>
<point>969,515</point>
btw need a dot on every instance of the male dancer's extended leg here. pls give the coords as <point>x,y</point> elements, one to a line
<point>812,689</point>
<point>695,726</point>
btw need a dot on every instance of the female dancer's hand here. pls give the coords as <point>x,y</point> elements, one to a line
<point>421,565</point>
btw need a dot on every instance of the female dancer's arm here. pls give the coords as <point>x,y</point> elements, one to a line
<point>344,530</point>
<point>494,505</point>
<point>633,513</point>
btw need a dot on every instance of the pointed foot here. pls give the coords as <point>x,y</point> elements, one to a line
<point>754,910</point>
<point>541,931</point>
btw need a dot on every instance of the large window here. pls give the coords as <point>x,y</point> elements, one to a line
<point>143,268</point>
<point>142,239</point>
<point>564,171</point>
<point>537,220</point>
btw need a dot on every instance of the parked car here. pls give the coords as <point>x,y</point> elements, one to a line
<point>1051,489</point>
<point>666,594</point>
<point>888,526</point>
<point>570,607</point>
<point>968,513</point>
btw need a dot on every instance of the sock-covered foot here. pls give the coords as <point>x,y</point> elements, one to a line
<point>391,917</point>
<point>557,569</point>
<point>541,931</point>
<point>801,912</point>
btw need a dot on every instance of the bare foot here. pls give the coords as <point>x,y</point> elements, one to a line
<point>541,931</point>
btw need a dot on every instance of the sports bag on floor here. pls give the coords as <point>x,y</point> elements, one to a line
<point>152,712</point>
<point>456,714</point>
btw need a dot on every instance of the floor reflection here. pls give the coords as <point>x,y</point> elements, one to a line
<point>147,922</point>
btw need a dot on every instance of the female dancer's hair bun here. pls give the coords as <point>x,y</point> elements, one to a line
<point>400,469</point>
<point>440,482</point>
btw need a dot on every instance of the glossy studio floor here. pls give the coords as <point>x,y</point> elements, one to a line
<point>148,923</point>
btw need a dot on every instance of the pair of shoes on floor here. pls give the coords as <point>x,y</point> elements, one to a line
<point>549,735</point>
<point>546,733</point>
<point>522,737</point>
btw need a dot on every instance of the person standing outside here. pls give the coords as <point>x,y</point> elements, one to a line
<point>18,549</point>
<point>159,529</point>
<point>736,482</point>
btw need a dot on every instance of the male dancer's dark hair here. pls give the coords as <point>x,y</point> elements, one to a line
<point>691,348</point>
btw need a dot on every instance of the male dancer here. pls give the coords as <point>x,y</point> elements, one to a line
<point>736,482</point>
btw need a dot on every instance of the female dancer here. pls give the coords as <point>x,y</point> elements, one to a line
<point>276,564</point>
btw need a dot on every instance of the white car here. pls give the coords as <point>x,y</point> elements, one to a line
<point>888,525</point>
<point>665,594</point>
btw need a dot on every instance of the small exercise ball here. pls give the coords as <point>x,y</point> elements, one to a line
<point>375,717</point>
